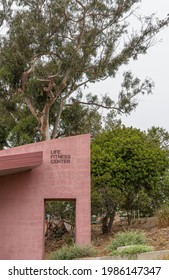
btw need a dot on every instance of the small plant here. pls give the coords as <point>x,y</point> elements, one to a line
<point>128,238</point>
<point>163,216</point>
<point>72,252</point>
<point>132,250</point>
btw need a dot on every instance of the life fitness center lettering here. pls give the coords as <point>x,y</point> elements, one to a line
<point>57,157</point>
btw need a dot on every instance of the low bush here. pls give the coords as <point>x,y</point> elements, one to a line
<point>127,238</point>
<point>72,252</point>
<point>132,250</point>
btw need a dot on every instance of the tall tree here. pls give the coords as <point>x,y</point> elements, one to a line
<point>54,48</point>
<point>128,172</point>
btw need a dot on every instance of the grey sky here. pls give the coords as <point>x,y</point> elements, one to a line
<point>153,110</point>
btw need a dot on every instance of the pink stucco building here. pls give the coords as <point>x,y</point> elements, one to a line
<point>30,174</point>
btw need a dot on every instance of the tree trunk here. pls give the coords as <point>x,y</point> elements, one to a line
<point>45,134</point>
<point>44,127</point>
<point>107,223</point>
<point>129,217</point>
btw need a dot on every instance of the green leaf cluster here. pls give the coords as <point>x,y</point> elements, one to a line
<point>132,250</point>
<point>72,252</point>
<point>128,238</point>
<point>134,242</point>
<point>127,169</point>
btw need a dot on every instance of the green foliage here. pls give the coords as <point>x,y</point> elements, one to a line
<point>160,135</point>
<point>163,215</point>
<point>128,171</point>
<point>53,49</point>
<point>132,250</point>
<point>79,119</point>
<point>6,124</point>
<point>127,238</point>
<point>61,209</point>
<point>72,252</point>
<point>111,120</point>
<point>135,242</point>
<point>24,131</point>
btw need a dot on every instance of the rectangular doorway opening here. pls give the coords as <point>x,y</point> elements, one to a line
<point>59,227</point>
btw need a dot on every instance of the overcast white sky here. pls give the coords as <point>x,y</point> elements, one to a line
<point>153,110</point>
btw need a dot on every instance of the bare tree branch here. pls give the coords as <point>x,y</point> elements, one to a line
<point>95,104</point>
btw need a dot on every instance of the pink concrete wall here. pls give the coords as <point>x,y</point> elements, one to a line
<point>22,195</point>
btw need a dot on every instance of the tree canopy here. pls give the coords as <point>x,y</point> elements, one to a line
<point>128,172</point>
<point>53,49</point>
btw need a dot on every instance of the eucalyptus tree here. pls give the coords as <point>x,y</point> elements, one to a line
<point>53,49</point>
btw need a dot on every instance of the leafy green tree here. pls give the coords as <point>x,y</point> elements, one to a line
<point>128,171</point>
<point>53,49</point>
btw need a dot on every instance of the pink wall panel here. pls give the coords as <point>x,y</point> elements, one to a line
<point>63,174</point>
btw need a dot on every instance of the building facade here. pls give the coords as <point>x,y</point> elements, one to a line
<point>57,169</point>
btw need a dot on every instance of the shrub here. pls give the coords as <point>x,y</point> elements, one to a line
<point>163,215</point>
<point>128,238</point>
<point>72,252</point>
<point>133,250</point>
